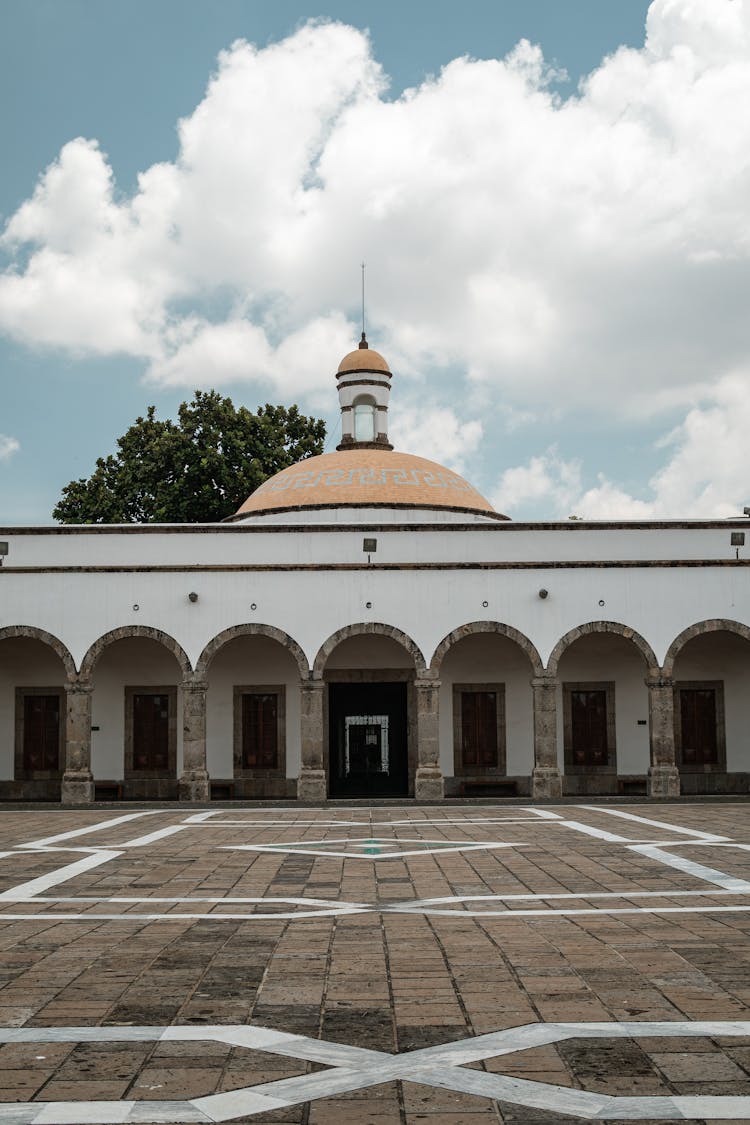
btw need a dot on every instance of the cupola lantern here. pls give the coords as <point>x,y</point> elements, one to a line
<point>364,386</point>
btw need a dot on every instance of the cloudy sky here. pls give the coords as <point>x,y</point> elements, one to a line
<point>552,198</point>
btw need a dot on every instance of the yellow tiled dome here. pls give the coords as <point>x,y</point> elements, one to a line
<point>365,477</point>
<point>363,359</point>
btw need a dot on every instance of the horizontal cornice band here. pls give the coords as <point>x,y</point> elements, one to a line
<point>572,564</point>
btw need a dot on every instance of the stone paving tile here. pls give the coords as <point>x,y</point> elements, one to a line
<point>388,982</point>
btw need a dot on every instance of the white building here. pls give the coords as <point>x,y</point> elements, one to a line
<point>367,625</point>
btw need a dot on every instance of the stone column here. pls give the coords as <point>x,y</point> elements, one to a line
<point>194,782</point>
<point>78,782</point>
<point>312,783</point>
<point>663,775</point>
<point>428,781</point>
<point>546,783</point>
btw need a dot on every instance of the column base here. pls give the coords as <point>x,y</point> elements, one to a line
<point>77,788</point>
<point>429,784</point>
<point>663,782</point>
<point>546,783</point>
<point>194,786</point>
<point>312,786</point>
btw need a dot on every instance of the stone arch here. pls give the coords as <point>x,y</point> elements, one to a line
<point>601,627</point>
<point>31,631</point>
<point>713,625</point>
<point>363,628</point>
<point>252,629</point>
<point>497,627</point>
<point>126,631</point>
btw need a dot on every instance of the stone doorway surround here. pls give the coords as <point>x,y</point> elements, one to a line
<point>425,775</point>
<point>384,702</point>
<point>373,677</point>
<point>546,782</point>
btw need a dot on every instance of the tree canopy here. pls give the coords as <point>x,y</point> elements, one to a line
<point>197,469</point>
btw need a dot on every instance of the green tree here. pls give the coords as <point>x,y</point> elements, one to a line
<point>197,469</point>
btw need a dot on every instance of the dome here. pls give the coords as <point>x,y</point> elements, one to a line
<point>363,359</point>
<point>366,478</point>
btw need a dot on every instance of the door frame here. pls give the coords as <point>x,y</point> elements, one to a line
<point>20,773</point>
<point>373,676</point>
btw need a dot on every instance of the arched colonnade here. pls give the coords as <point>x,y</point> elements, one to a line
<point>485,683</point>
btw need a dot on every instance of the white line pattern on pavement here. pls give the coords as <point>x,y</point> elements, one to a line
<point>353,1069</point>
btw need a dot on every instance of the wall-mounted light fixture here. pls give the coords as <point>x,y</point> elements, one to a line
<point>253,605</point>
<point>601,601</point>
<point>136,607</point>
<point>485,604</point>
<point>192,596</point>
<point>543,593</point>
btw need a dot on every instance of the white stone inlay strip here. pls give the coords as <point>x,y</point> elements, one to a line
<point>25,891</point>
<point>100,826</point>
<point>597,833</point>
<point>356,1069</point>
<point>153,837</point>
<point>697,870</point>
<point>654,823</point>
<point>307,847</point>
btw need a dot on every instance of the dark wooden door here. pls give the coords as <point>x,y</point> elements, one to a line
<point>151,732</point>
<point>260,725</point>
<point>588,713</point>
<point>41,733</point>
<point>479,729</point>
<point>698,726</point>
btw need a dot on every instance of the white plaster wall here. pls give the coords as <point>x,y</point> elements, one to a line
<point>312,604</point>
<point>245,661</point>
<point>599,657</point>
<point>724,656</point>
<point>325,541</point>
<point>371,651</point>
<point>484,658</point>
<point>132,662</point>
<point>23,663</point>
<point>379,390</point>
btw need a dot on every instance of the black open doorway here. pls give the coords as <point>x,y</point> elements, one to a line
<point>367,726</point>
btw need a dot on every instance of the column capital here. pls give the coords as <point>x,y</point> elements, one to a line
<point>544,681</point>
<point>427,675</point>
<point>423,683</point>
<point>79,687</point>
<point>194,685</point>
<point>657,679</point>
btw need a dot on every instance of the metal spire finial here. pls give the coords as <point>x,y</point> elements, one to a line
<point>363,342</point>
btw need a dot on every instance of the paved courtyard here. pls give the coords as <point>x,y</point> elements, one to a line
<point>458,965</point>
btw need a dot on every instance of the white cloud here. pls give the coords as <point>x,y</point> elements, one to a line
<point>8,446</point>
<point>706,475</point>
<point>202,354</point>
<point>435,433</point>
<point>546,479</point>
<point>590,254</point>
